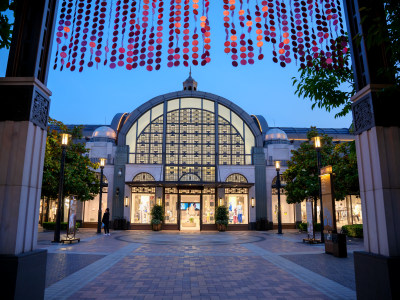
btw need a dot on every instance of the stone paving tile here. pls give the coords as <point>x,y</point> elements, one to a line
<point>185,249</point>
<point>206,265</point>
<point>340,270</point>
<point>60,265</point>
<point>142,277</point>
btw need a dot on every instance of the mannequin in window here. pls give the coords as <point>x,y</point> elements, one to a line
<point>240,212</point>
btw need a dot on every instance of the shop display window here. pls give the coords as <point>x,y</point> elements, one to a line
<point>287,210</point>
<point>341,214</point>
<point>238,208</point>
<point>208,209</point>
<point>356,210</point>
<point>171,201</point>
<point>141,208</point>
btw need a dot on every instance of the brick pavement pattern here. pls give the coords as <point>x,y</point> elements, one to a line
<point>206,265</point>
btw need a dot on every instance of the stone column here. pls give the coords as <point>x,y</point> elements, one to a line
<point>23,123</point>
<point>377,128</point>
<point>260,184</point>
<point>121,158</point>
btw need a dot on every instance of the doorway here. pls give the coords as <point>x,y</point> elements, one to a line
<point>190,211</point>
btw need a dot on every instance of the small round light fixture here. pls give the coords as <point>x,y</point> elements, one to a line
<point>278,165</point>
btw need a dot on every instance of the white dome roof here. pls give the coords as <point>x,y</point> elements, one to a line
<point>104,132</point>
<point>275,134</point>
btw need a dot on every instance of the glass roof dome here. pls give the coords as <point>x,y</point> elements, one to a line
<point>276,135</point>
<point>104,133</point>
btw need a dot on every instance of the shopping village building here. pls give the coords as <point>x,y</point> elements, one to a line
<point>192,151</point>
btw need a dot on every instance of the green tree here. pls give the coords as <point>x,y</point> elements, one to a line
<point>344,165</point>
<point>80,178</point>
<point>5,24</point>
<point>302,174</point>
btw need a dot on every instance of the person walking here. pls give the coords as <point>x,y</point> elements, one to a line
<point>106,221</point>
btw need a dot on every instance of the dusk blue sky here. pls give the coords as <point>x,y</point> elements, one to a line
<point>265,88</point>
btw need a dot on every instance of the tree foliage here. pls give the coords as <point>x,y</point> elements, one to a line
<point>302,174</point>
<point>5,24</point>
<point>79,177</point>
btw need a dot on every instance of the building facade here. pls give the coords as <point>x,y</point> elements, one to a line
<point>192,151</point>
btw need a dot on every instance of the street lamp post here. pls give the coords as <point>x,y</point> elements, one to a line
<point>64,142</point>
<point>278,187</point>
<point>317,145</point>
<point>102,164</point>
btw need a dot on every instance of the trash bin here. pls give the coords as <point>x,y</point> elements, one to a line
<point>335,244</point>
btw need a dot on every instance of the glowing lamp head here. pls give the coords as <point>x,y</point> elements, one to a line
<point>277,165</point>
<point>159,202</point>
<point>126,201</point>
<point>65,139</point>
<point>317,142</point>
<point>102,162</point>
<point>253,202</point>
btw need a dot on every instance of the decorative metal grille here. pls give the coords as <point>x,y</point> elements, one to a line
<point>236,191</point>
<point>143,189</point>
<point>238,178</point>
<point>192,146</point>
<point>143,177</point>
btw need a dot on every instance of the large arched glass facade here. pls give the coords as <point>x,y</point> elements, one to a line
<point>190,136</point>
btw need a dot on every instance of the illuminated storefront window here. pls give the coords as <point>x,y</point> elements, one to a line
<point>348,211</point>
<point>171,203</point>
<point>236,199</point>
<point>143,199</point>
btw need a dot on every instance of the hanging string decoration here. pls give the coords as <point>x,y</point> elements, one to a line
<point>130,34</point>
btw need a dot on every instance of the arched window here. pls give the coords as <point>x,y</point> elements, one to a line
<point>143,177</point>
<point>283,183</point>
<point>185,134</point>
<point>190,177</point>
<point>236,178</point>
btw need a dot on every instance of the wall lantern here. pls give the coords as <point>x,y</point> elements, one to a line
<point>126,201</point>
<point>220,203</point>
<point>65,138</point>
<point>253,202</point>
<point>119,172</point>
<point>159,202</point>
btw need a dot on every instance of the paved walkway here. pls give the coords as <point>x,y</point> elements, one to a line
<point>206,265</point>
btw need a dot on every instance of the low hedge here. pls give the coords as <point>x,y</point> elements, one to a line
<point>52,225</point>
<point>355,230</point>
<point>303,227</point>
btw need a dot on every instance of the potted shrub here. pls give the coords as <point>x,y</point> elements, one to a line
<point>157,217</point>
<point>222,217</point>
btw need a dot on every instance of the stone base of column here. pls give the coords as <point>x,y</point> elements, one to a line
<point>376,276</point>
<point>23,276</point>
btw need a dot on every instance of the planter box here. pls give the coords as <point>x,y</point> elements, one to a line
<point>156,227</point>
<point>335,244</point>
<point>221,227</point>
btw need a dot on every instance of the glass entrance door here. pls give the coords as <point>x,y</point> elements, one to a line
<point>190,212</point>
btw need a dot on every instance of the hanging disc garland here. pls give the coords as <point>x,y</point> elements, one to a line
<point>130,33</point>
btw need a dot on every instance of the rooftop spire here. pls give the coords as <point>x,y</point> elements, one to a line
<point>190,84</point>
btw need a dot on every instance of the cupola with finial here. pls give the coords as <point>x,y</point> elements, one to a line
<point>190,84</point>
